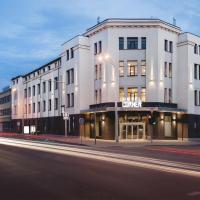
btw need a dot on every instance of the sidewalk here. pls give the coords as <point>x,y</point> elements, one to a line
<point>76,140</point>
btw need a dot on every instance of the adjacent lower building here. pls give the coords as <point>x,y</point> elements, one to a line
<point>5,110</point>
<point>121,79</point>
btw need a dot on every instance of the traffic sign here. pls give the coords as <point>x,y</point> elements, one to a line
<point>65,115</point>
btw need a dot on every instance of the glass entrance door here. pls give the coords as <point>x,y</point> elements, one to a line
<point>133,130</point>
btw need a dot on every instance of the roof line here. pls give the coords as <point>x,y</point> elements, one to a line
<point>49,63</point>
<point>131,19</point>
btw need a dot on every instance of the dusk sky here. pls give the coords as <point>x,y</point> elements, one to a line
<point>32,31</point>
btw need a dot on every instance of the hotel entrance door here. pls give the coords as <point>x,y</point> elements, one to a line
<point>132,130</point>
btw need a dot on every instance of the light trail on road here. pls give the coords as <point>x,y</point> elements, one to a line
<point>135,161</point>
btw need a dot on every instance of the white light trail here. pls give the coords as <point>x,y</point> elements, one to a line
<point>135,161</point>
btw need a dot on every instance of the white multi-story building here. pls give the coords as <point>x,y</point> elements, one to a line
<point>103,75</point>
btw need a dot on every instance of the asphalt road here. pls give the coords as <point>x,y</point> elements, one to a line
<point>33,175</point>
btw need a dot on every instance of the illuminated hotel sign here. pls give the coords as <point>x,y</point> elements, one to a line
<point>132,104</point>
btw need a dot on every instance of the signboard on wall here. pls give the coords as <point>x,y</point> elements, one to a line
<point>132,104</point>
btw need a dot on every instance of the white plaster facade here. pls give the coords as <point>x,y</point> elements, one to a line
<point>84,84</point>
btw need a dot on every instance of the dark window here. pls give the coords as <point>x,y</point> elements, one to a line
<point>72,52</point>
<point>29,91</point>
<point>72,75</point>
<point>195,98</point>
<point>121,43</point>
<point>196,49</point>
<point>165,69</point>
<point>33,107</point>
<point>25,93</point>
<point>43,70</point>
<point>195,71</point>
<point>55,83</point>
<point>44,87</point>
<point>170,70</point>
<point>38,89</point>
<point>68,77</point>
<point>49,85</point>
<point>49,104</point>
<point>166,45</point>
<point>49,68</point>
<point>44,106</point>
<point>67,54</point>
<point>33,90</point>
<point>72,99</point>
<point>132,43</point>
<point>100,46</point>
<point>199,72</point>
<point>56,104</point>
<point>38,108</point>
<point>170,95</point>
<point>143,42</point>
<point>171,47</point>
<point>68,100</point>
<point>95,48</point>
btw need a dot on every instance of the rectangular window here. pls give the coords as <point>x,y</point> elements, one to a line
<point>143,94</point>
<point>56,104</point>
<point>100,100</point>
<point>33,90</point>
<point>166,45</point>
<point>170,70</point>
<point>199,72</point>
<point>121,94</point>
<point>29,108</point>
<point>38,107</point>
<point>96,72</point>
<point>55,83</point>
<point>121,43</point>
<point>29,91</point>
<point>44,106</point>
<point>132,94</point>
<point>195,98</point>
<point>72,76</point>
<point>72,52</point>
<point>165,95</point>
<point>44,87</point>
<point>132,68</point>
<point>25,93</point>
<point>100,46</point>
<point>132,43</point>
<point>49,85</point>
<point>33,107</point>
<point>72,99</point>
<point>143,67</point>
<point>165,70</point>
<point>68,77</point>
<point>49,105</point>
<point>170,95</point>
<point>196,49</point>
<point>68,100</point>
<point>171,47</point>
<point>25,109</point>
<point>143,46</point>
<point>195,71</point>
<point>121,68</point>
<point>95,48</point>
<point>38,89</point>
<point>67,54</point>
<point>100,72</point>
<point>96,96</point>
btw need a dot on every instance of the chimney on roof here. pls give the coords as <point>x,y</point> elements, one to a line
<point>98,19</point>
<point>174,21</point>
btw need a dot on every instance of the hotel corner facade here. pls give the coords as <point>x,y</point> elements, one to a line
<point>121,79</point>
